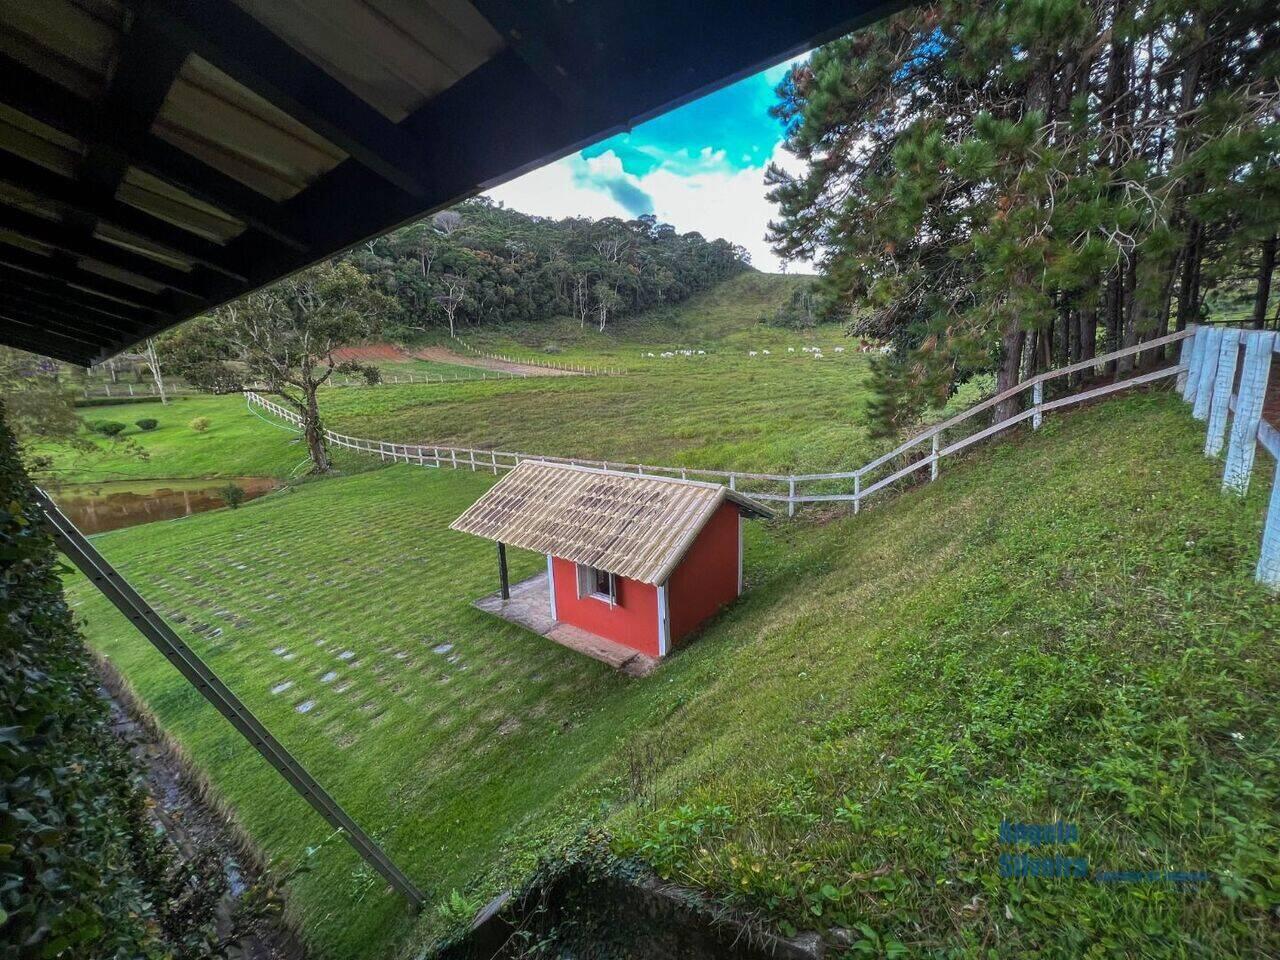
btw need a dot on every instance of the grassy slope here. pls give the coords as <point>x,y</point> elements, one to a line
<point>1066,628</point>
<point>782,413</point>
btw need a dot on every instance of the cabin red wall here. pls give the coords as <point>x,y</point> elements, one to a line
<point>632,621</point>
<point>707,577</point>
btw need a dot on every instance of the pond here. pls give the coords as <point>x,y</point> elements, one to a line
<point>97,507</point>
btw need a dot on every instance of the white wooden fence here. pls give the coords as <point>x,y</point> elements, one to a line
<point>585,370</point>
<point>1227,373</point>
<point>926,450</point>
<point>125,390</point>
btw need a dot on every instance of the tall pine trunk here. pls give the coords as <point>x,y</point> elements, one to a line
<point>1262,293</point>
<point>1007,375</point>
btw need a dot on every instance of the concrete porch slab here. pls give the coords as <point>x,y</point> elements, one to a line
<point>530,607</point>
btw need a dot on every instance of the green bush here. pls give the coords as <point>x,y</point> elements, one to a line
<point>113,401</point>
<point>199,424</point>
<point>109,428</point>
<point>148,423</point>
<point>82,871</point>
<point>232,495</point>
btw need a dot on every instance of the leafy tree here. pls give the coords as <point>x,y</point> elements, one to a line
<point>282,340</point>
<point>36,400</point>
<point>483,263</point>
<point>1018,184</point>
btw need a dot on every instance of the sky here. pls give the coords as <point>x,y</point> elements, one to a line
<point>700,167</point>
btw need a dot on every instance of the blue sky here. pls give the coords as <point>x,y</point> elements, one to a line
<point>700,167</point>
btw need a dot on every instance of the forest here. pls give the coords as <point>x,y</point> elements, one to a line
<point>484,263</point>
<point>1017,185</point>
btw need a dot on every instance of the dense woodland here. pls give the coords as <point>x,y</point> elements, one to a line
<point>483,263</point>
<point>1015,185</point>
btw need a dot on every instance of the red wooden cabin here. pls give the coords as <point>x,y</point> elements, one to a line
<point>636,561</point>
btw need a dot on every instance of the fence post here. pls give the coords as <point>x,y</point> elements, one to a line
<point>1220,401</point>
<point>1197,358</point>
<point>1184,359</point>
<point>791,497</point>
<point>857,493</point>
<point>933,467</point>
<point>1244,428</point>
<point>1037,401</point>
<point>1208,370</point>
<point>1268,572</point>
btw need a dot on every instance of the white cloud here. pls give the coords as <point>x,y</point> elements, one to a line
<point>712,198</point>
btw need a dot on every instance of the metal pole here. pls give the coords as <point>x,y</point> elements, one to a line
<point>150,624</point>
<point>502,571</point>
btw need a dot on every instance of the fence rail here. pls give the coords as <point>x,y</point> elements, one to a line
<point>1200,370</point>
<point>123,391</point>
<point>791,489</point>
<point>585,370</point>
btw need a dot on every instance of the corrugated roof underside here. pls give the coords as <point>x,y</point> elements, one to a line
<point>634,527</point>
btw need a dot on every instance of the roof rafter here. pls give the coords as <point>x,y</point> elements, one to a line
<point>24,298</point>
<point>527,34</point>
<point>33,94</point>
<point>71,194</point>
<point>69,239</point>
<point>36,332</point>
<point>61,267</point>
<point>25,314</point>
<point>43,288</point>
<point>238,45</point>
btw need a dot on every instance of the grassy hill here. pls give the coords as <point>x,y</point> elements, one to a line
<point>1065,627</point>
<point>784,412</point>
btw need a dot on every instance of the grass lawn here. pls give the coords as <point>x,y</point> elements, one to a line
<point>781,413</point>
<point>1063,628</point>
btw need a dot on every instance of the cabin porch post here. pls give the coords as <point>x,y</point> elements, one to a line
<point>502,571</point>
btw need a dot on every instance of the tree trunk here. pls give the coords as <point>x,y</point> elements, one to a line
<point>1128,324</point>
<point>1088,334</point>
<point>1007,376</point>
<point>313,430</point>
<point>1189,282</point>
<point>1262,294</point>
<point>153,361</point>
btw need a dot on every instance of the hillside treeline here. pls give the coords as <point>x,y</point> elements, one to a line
<point>1019,184</point>
<point>484,263</point>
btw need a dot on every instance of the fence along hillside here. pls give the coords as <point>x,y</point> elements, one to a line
<point>1209,357</point>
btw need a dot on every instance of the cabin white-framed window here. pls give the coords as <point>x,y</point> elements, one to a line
<point>597,584</point>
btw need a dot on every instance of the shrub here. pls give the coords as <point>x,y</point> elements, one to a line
<point>148,423</point>
<point>232,495</point>
<point>199,424</point>
<point>82,871</point>
<point>109,428</point>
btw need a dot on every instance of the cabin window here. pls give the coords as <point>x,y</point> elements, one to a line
<point>594,582</point>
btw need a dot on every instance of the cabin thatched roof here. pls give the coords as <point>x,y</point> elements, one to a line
<point>632,526</point>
